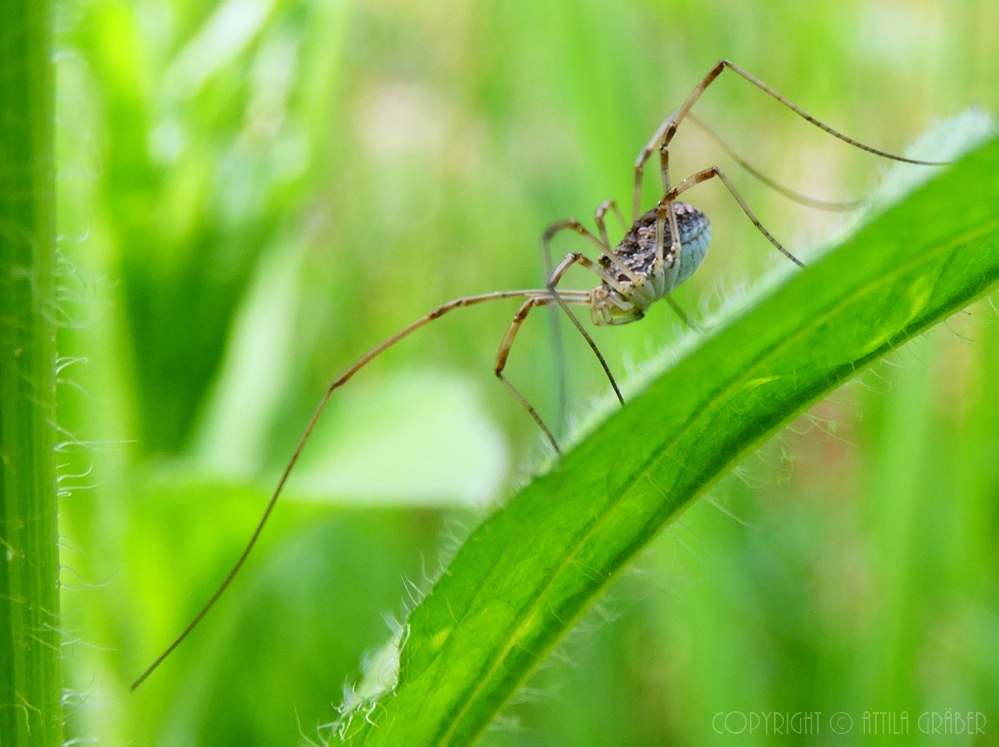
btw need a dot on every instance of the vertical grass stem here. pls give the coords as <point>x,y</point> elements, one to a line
<point>30,676</point>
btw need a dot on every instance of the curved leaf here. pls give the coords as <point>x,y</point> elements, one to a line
<point>527,573</point>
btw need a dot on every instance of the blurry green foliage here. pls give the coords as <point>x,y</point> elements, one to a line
<point>253,192</point>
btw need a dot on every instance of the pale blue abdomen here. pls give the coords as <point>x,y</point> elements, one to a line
<point>695,249</point>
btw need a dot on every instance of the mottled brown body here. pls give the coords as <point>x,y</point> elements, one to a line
<point>638,247</point>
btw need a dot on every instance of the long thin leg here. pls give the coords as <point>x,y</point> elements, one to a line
<point>507,344</point>
<point>572,224</point>
<point>665,211</point>
<point>841,207</point>
<point>558,349</point>
<point>581,259</point>
<point>643,156</point>
<point>598,218</point>
<point>558,352</point>
<point>336,384</point>
<point>714,171</point>
<point>562,298</point>
<point>664,134</point>
<point>681,313</point>
<point>554,275</point>
<point>504,353</point>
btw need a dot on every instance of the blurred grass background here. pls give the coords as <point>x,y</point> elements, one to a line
<point>254,192</point>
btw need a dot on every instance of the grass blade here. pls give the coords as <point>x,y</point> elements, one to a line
<point>30,679</point>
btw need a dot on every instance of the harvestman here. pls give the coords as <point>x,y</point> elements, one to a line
<point>662,248</point>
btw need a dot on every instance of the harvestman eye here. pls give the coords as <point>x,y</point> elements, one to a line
<point>660,250</point>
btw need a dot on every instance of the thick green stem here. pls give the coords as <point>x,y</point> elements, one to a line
<point>30,681</point>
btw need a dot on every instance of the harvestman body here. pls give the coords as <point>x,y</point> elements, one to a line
<point>660,250</point>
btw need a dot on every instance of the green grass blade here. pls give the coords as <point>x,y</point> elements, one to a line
<point>527,574</point>
<point>30,682</point>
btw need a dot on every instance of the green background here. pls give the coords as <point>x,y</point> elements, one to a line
<point>253,193</point>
